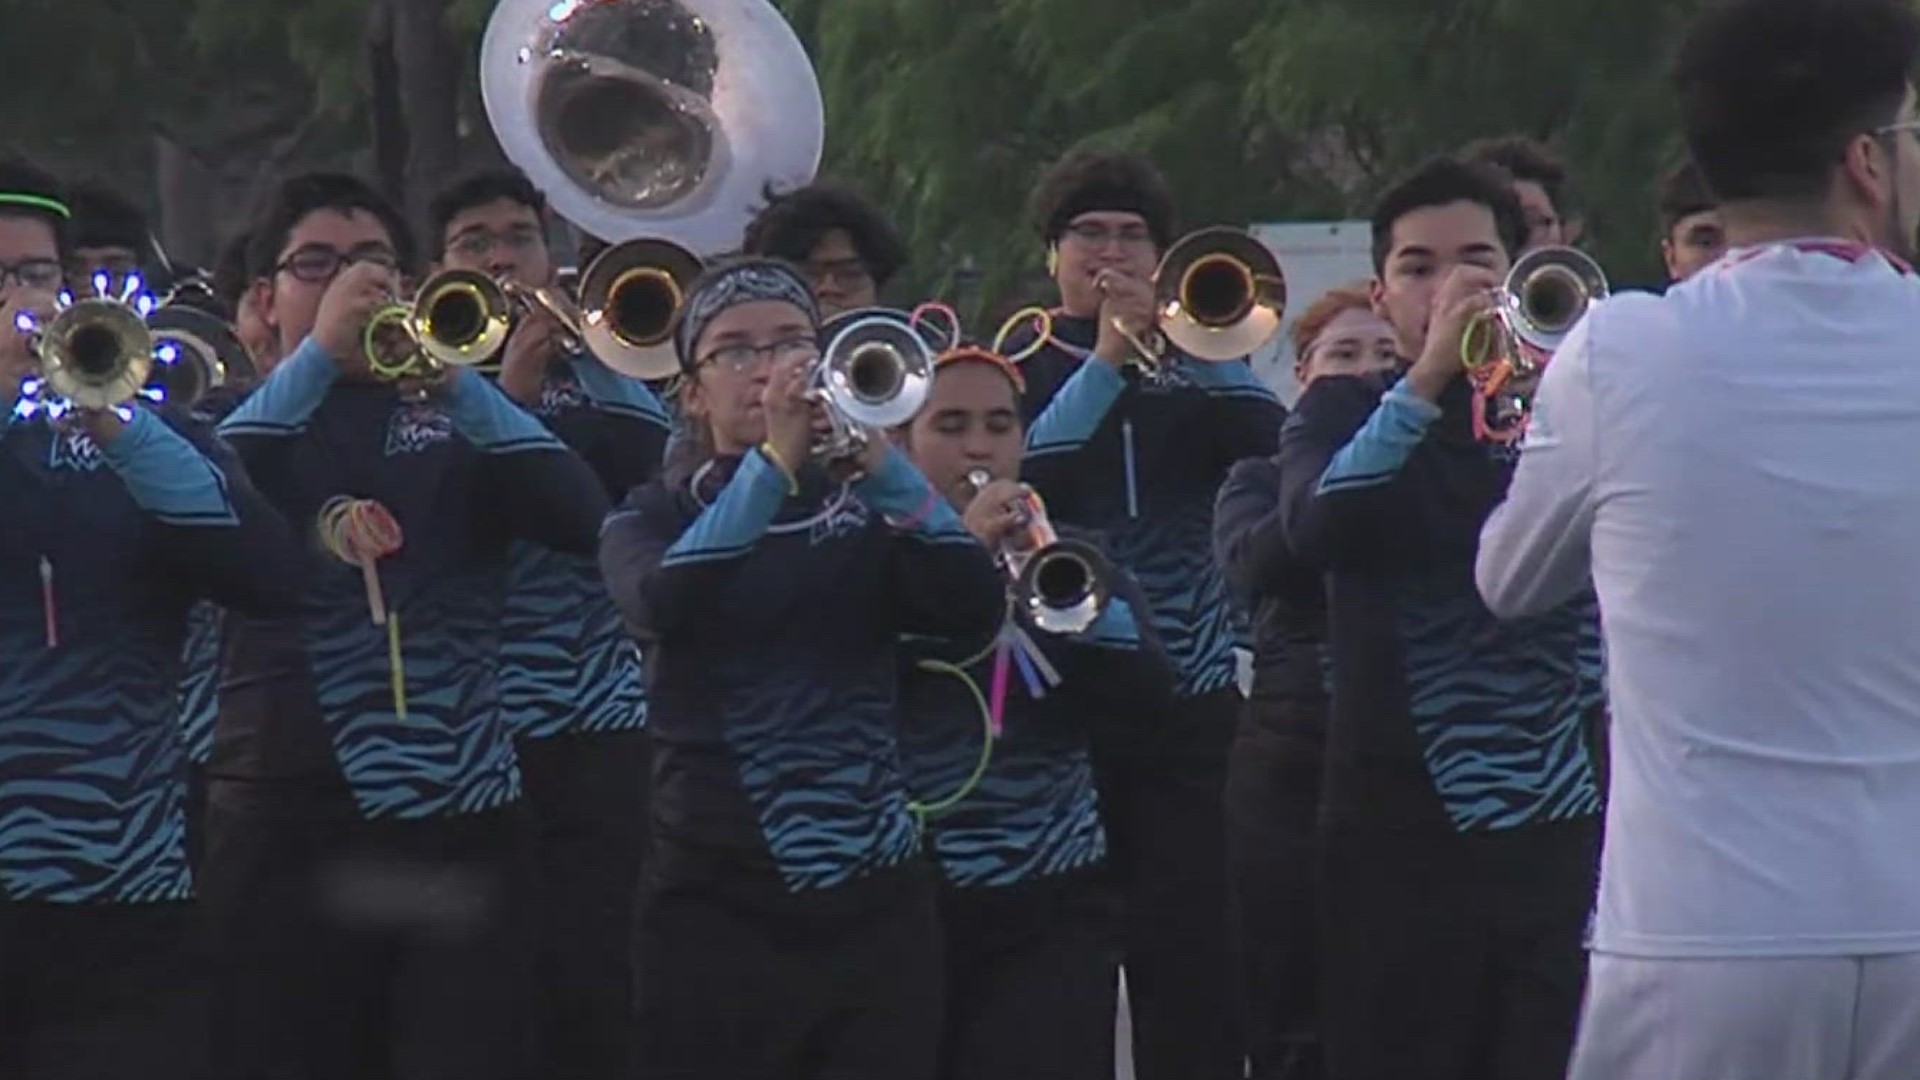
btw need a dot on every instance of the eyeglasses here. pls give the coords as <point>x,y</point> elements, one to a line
<point>745,359</point>
<point>34,273</point>
<point>849,272</point>
<point>1096,235</point>
<point>479,243</point>
<point>316,265</point>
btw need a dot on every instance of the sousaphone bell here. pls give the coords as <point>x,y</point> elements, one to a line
<point>666,119</point>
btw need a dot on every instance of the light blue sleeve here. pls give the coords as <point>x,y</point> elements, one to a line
<point>1377,451</point>
<point>282,405</point>
<point>167,476</point>
<point>488,419</point>
<point>1077,409</point>
<point>737,519</point>
<point>898,490</point>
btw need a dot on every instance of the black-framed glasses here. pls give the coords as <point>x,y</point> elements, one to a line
<point>45,274</point>
<point>852,273</point>
<point>317,264</point>
<point>1095,234</point>
<point>745,359</point>
<point>479,243</point>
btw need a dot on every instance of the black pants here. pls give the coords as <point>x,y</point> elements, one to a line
<point>588,798</point>
<point>1448,956</point>
<point>196,814</point>
<point>840,986</point>
<point>92,991</point>
<point>1273,806</point>
<point>1032,980</point>
<point>358,950</point>
<point>1163,801</point>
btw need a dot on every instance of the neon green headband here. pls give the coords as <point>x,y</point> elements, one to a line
<point>36,202</point>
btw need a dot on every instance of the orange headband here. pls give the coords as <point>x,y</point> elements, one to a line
<point>976,354</point>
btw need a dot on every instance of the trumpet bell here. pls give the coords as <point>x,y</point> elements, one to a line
<point>1061,588</point>
<point>96,353</point>
<point>876,370</point>
<point>1220,293</point>
<point>653,117</point>
<point>630,296</point>
<point>461,317</point>
<point>1547,292</point>
<point>193,352</point>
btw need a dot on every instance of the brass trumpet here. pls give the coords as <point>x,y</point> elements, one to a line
<point>1061,584</point>
<point>1218,294</point>
<point>95,353</point>
<point>459,318</point>
<point>875,372</point>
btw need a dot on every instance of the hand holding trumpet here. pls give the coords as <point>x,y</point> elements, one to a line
<point>1466,295</point>
<point>358,291</point>
<point>1126,315</point>
<point>999,514</point>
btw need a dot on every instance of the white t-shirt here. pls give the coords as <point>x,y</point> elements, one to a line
<point>1737,464</point>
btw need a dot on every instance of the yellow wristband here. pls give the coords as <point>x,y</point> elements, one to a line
<point>793,482</point>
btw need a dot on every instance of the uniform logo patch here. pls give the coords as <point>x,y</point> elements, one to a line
<point>415,427</point>
<point>76,451</point>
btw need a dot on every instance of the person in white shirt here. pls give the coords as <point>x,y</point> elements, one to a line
<point>1731,464</point>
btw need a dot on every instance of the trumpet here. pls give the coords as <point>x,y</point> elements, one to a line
<point>459,318</point>
<point>1061,584</point>
<point>1546,293</point>
<point>875,372</point>
<point>1218,295</point>
<point>94,353</point>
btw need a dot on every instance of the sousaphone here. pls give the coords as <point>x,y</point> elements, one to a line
<point>654,119</point>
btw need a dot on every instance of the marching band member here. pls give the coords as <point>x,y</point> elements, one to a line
<point>1539,182</point>
<point>1692,234</point>
<point>1279,751</point>
<point>109,235</point>
<point>117,521</point>
<point>1011,819</point>
<point>570,679</point>
<point>1460,822</point>
<point>1728,464</point>
<point>230,283</point>
<point>364,831</point>
<point>1139,461</point>
<point>843,246</point>
<point>786,924</point>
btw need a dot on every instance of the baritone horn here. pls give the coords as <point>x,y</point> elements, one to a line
<point>630,296</point>
<point>458,318</point>
<point>1062,585</point>
<point>875,372</point>
<point>653,118</point>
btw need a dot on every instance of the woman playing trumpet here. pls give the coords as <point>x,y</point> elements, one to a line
<point>786,924</point>
<point>997,758</point>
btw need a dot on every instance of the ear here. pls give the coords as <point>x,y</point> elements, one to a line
<point>1865,165</point>
<point>1666,256</point>
<point>693,402</point>
<point>259,296</point>
<point>1377,298</point>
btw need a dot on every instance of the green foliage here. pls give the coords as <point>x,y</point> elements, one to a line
<point>947,110</point>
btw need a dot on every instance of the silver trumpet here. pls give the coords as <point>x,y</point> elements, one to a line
<point>1547,292</point>
<point>875,372</point>
<point>1062,585</point>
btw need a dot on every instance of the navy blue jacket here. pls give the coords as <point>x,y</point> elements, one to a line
<point>309,702</point>
<point>130,535</point>
<point>1285,598</point>
<point>567,666</point>
<point>1138,464</point>
<point>770,624</point>
<point>1032,813</point>
<point>1387,494</point>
